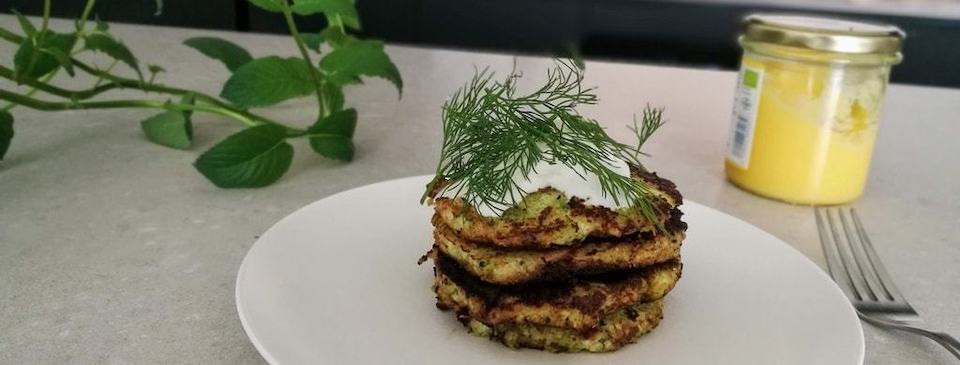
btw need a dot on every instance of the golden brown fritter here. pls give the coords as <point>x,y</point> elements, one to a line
<point>500,266</point>
<point>577,304</point>
<point>619,328</point>
<point>548,218</point>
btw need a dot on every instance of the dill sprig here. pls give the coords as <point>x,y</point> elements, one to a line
<point>650,122</point>
<point>492,136</point>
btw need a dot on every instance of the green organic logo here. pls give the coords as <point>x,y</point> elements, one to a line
<point>750,78</point>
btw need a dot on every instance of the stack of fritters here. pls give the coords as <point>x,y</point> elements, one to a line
<point>555,273</point>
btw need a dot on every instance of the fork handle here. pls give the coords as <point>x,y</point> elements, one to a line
<point>944,339</point>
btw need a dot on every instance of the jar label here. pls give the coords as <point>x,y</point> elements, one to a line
<point>745,105</point>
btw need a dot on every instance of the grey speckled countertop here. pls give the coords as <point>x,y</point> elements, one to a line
<point>115,251</point>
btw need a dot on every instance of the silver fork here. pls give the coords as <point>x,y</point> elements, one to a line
<point>855,267</point>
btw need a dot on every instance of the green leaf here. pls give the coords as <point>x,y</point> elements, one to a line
<point>333,96</point>
<point>189,98</point>
<point>6,132</point>
<point>232,55</point>
<point>26,25</point>
<point>101,42</point>
<point>343,9</point>
<point>268,5</point>
<point>332,136</point>
<point>267,81</point>
<point>102,26</point>
<point>27,54</point>
<point>62,58</point>
<point>171,128</point>
<point>366,58</point>
<point>336,37</point>
<point>312,40</point>
<point>254,157</point>
<point>155,69</point>
<point>43,63</point>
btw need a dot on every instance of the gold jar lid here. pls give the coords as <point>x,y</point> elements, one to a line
<point>823,34</point>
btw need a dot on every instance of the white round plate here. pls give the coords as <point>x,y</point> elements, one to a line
<point>337,282</point>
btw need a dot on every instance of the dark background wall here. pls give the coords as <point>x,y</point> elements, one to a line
<point>689,33</point>
<point>212,14</point>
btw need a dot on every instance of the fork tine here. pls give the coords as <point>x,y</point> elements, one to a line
<point>864,265</point>
<point>884,278</point>
<point>831,253</point>
<point>846,257</point>
<point>824,245</point>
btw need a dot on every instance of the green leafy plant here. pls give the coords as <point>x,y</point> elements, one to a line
<point>257,155</point>
<point>492,134</point>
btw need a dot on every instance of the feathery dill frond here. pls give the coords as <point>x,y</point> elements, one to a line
<point>491,136</point>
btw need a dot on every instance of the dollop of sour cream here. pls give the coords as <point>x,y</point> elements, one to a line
<point>576,181</point>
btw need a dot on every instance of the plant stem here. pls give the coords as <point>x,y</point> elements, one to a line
<point>337,21</point>
<point>205,103</point>
<point>107,71</point>
<point>33,90</point>
<point>82,22</point>
<point>42,85</point>
<point>45,23</point>
<point>120,82</point>
<point>292,25</point>
<point>213,105</point>
<point>114,104</point>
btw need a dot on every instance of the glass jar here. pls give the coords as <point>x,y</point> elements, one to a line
<point>807,105</point>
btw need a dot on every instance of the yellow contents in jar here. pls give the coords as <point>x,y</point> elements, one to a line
<point>814,131</point>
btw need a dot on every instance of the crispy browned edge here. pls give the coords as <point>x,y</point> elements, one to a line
<point>556,293</point>
<point>672,224</point>
<point>630,333</point>
<point>565,267</point>
<point>527,236</point>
